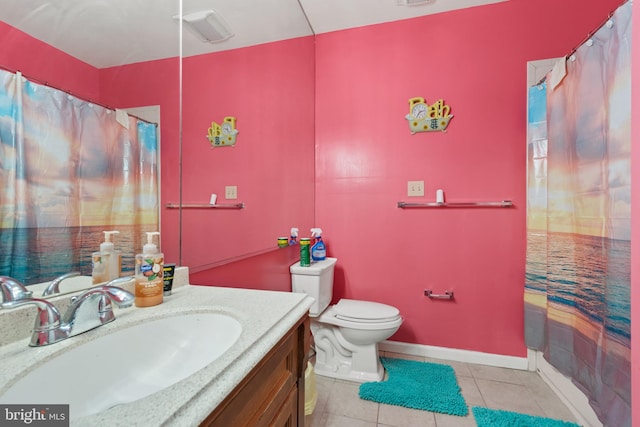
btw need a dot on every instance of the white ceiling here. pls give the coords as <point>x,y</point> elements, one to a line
<point>107,33</point>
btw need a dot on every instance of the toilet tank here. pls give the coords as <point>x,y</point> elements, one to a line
<point>315,281</point>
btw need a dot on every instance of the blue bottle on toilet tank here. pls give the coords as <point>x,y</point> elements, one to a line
<point>318,250</point>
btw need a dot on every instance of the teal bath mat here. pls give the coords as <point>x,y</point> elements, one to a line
<point>486,417</point>
<point>418,385</point>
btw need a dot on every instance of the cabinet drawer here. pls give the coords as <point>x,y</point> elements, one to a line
<point>286,416</point>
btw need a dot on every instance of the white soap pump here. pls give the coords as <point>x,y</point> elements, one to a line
<point>150,247</point>
<point>107,263</point>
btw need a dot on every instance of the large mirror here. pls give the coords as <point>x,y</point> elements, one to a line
<point>123,54</point>
<point>262,78</point>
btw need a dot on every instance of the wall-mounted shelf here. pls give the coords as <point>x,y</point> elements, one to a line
<point>501,204</point>
<point>205,206</point>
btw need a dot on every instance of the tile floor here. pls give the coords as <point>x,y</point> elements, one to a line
<point>338,403</point>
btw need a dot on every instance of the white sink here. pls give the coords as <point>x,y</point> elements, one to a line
<point>128,364</point>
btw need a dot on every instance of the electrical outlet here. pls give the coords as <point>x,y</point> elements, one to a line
<point>415,189</point>
<point>230,192</point>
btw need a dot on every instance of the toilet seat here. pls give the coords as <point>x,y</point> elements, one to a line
<point>365,311</point>
<point>363,315</point>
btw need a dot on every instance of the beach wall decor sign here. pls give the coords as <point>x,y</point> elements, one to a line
<point>223,135</point>
<point>578,261</point>
<point>423,117</point>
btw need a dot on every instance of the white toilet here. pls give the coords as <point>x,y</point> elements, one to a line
<point>346,335</point>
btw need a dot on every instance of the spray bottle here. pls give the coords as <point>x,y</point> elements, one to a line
<point>106,262</point>
<point>149,274</point>
<point>318,250</point>
<point>294,236</point>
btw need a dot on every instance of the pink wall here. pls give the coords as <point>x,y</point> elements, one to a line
<point>475,59</point>
<point>269,88</point>
<point>42,63</point>
<point>268,271</point>
<point>635,212</point>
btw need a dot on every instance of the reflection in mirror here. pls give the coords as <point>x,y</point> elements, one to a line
<point>262,77</point>
<point>89,57</point>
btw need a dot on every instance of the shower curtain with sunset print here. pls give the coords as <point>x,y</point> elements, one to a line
<point>577,292</point>
<point>68,171</point>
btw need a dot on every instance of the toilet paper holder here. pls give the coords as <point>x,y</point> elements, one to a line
<point>447,294</point>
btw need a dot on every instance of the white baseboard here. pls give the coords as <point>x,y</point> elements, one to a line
<point>457,355</point>
<point>562,386</point>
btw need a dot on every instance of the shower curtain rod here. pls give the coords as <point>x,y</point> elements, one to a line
<point>68,92</point>
<point>591,33</point>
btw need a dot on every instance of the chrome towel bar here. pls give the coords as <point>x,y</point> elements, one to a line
<point>501,204</point>
<point>447,295</point>
<point>203,206</point>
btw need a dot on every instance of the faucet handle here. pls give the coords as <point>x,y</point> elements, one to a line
<point>46,329</point>
<point>121,297</point>
<point>92,308</point>
<point>13,290</point>
<point>54,286</point>
<point>119,281</point>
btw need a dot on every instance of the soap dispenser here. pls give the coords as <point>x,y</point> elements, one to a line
<point>149,274</point>
<point>107,262</point>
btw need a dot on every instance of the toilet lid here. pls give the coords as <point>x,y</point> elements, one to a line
<point>365,311</point>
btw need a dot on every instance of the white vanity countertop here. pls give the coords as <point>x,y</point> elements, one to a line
<point>265,316</point>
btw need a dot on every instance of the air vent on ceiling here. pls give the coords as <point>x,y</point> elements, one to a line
<point>207,25</point>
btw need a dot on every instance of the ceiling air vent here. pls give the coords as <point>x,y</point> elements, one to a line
<point>207,25</point>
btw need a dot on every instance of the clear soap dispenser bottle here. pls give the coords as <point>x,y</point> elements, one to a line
<point>149,274</point>
<point>107,262</point>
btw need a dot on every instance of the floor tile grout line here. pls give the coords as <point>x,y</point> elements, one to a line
<point>484,402</point>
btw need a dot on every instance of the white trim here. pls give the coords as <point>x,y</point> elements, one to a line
<point>457,355</point>
<point>561,385</point>
<point>531,358</point>
<point>568,392</point>
<point>536,70</point>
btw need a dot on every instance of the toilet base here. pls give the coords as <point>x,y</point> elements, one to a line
<point>343,371</point>
<point>337,358</point>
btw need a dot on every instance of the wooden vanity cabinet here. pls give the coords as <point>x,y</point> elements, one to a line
<point>272,394</point>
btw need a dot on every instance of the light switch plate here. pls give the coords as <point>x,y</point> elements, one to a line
<point>415,189</point>
<point>231,192</point>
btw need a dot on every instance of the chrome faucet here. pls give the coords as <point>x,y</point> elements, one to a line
<point>93,307</point>
<point>13,290</point>
<point>54,286</point>
<point>47,328</point>
<point>89,310</point>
